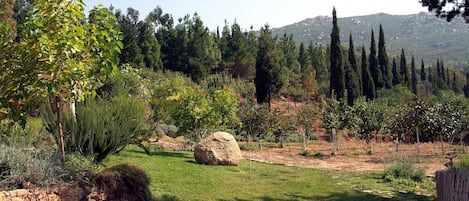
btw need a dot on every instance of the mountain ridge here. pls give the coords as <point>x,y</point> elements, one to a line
<point>422,35</point>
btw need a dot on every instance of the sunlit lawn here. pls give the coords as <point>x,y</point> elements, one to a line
<point>175,176</point>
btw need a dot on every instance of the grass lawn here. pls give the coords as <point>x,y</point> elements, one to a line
<point>176,176</point>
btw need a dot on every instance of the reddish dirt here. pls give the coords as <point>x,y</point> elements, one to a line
<point>353,157</point>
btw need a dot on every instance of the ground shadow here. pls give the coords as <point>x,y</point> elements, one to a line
<point>166,197</point>
<point>341,196</point>
<point>163,153</point>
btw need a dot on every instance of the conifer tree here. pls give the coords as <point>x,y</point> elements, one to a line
<point>268,69</point>
<point>369,89</point>
<point>423,76</point>
<point>373,64</point>
<point>448,79</point>
<point>466,86</point>
<point>430,76</point>
<point>383,61</point>
<point>337,78</point>
<point>413,76</point>
<point>454,84</point>
<point>404,72</point>
<point>396,78</point>
<point>352,80</point>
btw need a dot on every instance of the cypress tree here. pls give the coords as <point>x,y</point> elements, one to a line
<point>438,68</point>
<point>352,80</point>
<point>268,70</point>
<point>403,69</point>
<point>383,61</point>
<point>455,86</point>
<point>430,77</point>
<point>396,78</point>
<point>369,89</point>
<point>423,76</point>
<point>448,82</point>
<point>337,78</point>
<point>413,76</point>
<point>373,64</point>
<point>466,86</point>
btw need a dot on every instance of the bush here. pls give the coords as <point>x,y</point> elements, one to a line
<point>462,162</point>
<point>27,167</point>
<point>126,182</point>
<point>101,127</point>
<point>403,171</point>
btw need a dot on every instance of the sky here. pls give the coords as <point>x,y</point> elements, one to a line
<point>276,13</point>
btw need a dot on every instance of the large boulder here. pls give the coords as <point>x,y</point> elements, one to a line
<point>220,148</point>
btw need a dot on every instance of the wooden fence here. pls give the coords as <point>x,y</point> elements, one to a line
<point>452,185</point>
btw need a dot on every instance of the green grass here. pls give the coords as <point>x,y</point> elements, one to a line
<point>176,176</point>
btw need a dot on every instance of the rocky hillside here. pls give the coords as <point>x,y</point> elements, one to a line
<point>422,35</point>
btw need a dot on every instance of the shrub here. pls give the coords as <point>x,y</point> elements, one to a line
<point>27,167</point>
<point>462,162</point>
<point>403,171</point>
<point>101,127</point>
<point>126,182</point>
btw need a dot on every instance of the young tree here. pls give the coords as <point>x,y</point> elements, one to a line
<point>369,89</point>
<point>383,61</point>
<point>337,78</point>
<point>373,64</point>
<point>369,118</point>
<point>268,70</point>
<point>334,117</point>
<point>68,63</point>
<point>305,117</point>
<point>413,76</point>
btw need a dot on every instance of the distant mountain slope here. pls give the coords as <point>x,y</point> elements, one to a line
<point>422,35</point>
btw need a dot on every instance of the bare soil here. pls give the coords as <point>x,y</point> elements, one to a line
<point>353,156</point>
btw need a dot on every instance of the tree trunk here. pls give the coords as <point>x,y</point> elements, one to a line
<point>397,145</point>
<point>417,132</point>
<point>442,145</point>
<point>462,144</point>
<point>303,145</point>
<point>249,138</point>
<point>370,142</point>
<point>260,144</point>
<point>59,126</point>
<point>336,142</point>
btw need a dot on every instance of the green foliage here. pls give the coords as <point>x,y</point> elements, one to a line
<point>368,85</point>
<point>254,121</point>
<point>462,162</point>
<point>268,70</point>
<point>403,173</point>
<point>21,166</point>
<point>375,70</point>
<point>337,76</point>
<point>101,127</point>
<point>124,180</point>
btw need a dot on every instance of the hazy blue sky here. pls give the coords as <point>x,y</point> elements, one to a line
<point>276,13</point>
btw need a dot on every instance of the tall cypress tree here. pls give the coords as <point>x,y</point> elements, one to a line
<point>430,77</point>
<point>448,79</point>
<point>413,76</point>
<point>403,69</point>
<point>455,86</point>
<point>396,78</point>
<point>466,86</point>
<point>337,78</point>
<point>369,89</point>
<point>383,61</point>
<point>268,69</point>
<point>373,63</point>
<point>352,81</point>
<point>423,76</point>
